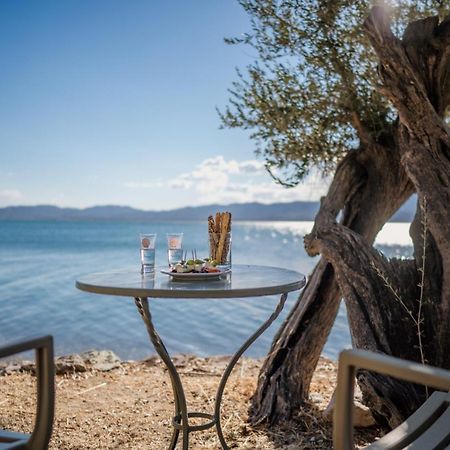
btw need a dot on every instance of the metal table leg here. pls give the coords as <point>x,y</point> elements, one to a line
<point>180,421</point>
<point>233,362</point>
<point>181,414</point>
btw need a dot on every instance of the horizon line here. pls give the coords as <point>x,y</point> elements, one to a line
<point>38,205</point>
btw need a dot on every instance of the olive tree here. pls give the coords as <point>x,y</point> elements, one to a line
<point>361,92</point>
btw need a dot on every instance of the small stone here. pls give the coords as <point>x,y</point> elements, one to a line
<point>103,360</point>
<point>69,364</point>
<point>11,368</point>
<point>28,366</point>
<point>17,366</point>
<point>151,361</point>
<point>183,360</point>
<point>362,417</point>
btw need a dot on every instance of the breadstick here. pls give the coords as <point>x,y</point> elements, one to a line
<point>212,243</point>
<point>228,237</point>
<point>217,223</point>
<point>221,254</point>
<point>210,224</point>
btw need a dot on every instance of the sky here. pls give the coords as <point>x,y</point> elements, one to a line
<point>114,102</point>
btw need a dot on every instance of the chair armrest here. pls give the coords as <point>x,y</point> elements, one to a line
<point>352,360</point>
<point>23,346</point>
<point>45,376</point>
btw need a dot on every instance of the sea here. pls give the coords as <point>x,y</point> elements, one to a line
<point>41,260</point>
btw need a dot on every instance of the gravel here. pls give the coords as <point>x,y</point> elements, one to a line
<point>129,405</point>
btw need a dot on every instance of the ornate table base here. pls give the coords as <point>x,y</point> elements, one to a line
<point>180,421</point>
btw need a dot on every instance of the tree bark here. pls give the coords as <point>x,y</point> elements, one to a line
<point>377,319</point>
<point>360,192</point>
<point>390,309</point>
<point>369,186</point>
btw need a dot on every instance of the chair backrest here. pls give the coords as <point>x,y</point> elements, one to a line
<point>428,426</point>
<point>45,375</point>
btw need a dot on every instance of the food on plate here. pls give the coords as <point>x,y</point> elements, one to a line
<point>210,263</point>
<point>181,268</point>
<point>206,265</point>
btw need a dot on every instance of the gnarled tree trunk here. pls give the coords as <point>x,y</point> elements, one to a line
<point>369,186</point>
<point>359,189</point>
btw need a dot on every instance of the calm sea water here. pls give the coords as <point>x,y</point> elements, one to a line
<point>40,261</point>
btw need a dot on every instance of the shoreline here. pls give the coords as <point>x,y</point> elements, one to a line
<point>128,404</point>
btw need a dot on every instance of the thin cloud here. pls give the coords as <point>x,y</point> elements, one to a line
<point>266,192</point>
<point>9,196</point>
<point>216,172</point>
<point>218,180</point>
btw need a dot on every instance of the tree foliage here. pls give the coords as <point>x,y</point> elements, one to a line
<point>310,96</point>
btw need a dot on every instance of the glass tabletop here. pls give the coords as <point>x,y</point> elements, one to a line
<point>243,281</point>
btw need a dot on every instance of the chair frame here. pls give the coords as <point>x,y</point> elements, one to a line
<point>45,375</point>
<point>352,360</point>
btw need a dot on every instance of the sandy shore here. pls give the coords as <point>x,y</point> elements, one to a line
<point>130,406</point>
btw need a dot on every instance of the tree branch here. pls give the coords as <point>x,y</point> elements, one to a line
<point>402,84</point>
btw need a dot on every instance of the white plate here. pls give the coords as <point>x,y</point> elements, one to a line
<point>190,276</point>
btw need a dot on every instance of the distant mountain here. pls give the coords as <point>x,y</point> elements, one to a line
<point>240,211</point>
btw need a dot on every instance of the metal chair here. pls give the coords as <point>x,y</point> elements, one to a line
<point>428,428</point>
<point>45,374</point>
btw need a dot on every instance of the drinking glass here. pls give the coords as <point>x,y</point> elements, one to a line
<point>174,248</point>
<point>148,241</point>
<point>220,248</point>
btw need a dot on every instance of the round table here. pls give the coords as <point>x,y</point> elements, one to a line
<point>243,281</point>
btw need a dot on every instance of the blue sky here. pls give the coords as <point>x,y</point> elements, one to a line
<point>113,102</point>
